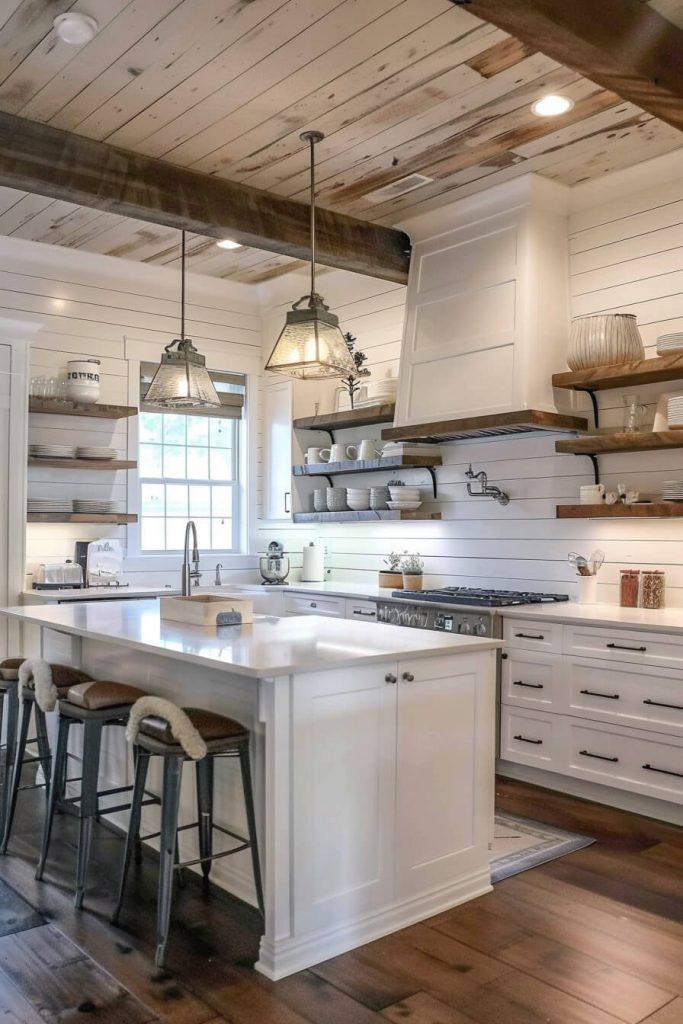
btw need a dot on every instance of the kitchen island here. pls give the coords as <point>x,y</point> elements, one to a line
<point>373,757</point>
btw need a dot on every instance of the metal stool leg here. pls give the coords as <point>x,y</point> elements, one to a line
<point>173,769</point>
<point>205,773</point>
<point>133,834</point>
<point>19,754</point>
<point>12,695</point>
<point>43,744</point>
<point>56,790</point>
<point>88,804</point>
<point>251,822</point>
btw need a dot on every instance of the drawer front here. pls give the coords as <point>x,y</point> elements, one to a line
<point>531,680</point>
<point>643,698</point>
<point>529,737</point>
<point>364,611</point>
<point>639,648</point>
<point>533,635</point>
<point>298,604</point>
<point>627,759</point>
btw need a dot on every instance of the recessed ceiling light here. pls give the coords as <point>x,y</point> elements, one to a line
<point>75,28</point>
<point>227,243</point>
<point>551,106</point>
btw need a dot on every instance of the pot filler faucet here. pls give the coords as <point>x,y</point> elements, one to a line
<point>487,490</point>
<point>188,574</point>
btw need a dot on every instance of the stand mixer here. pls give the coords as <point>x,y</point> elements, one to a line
<point>274,566</point>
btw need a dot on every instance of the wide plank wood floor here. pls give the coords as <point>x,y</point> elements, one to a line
<point>593,938</point>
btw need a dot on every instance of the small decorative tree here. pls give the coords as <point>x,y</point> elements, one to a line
<point>352,383</point>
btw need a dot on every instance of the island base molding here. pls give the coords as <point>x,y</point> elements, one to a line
<point>286,956</point>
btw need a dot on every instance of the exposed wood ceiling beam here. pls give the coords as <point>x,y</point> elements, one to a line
<point>37,158</point>
<point>623,45</point>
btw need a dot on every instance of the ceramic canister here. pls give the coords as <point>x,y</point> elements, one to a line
<point>83,380</point>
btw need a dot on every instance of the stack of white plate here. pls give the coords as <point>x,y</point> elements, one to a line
<point>405,498</point>
<point>669,343</point>
<point>336,499</point>
<point>51,451</point>
<point>383,390</point>
<point>96,453</point>
<point>393,448</point>
<point>358,498</point>
<point>379,496</point>
<point>49,505</point>
<point>96,506</point>
<point>672,490</point>
<point>674,411</point>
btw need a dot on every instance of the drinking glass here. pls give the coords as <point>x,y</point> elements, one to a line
<point>635,413</point>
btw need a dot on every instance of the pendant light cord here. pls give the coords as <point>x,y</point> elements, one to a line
<point>182,286</point>
<point>312,145</point>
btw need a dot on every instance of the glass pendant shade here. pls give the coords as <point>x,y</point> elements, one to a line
<point>182,380</point>
<point>311,345</point>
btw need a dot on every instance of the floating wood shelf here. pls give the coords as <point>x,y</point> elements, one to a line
<point>110,464</point>
<point>622,375</point>
<point>369,465</point>
<point>118,519</point>
<point>393,515</point>
<point>597,444</point>
<point>102,412</point>
<point>366,417</point>
<point>501,425</point>
<point>644,510</point>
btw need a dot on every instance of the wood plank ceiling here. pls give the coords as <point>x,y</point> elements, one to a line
<point>226,86</point>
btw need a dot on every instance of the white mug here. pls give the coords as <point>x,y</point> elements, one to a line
<point>368,450</point>
<point>592,494</point>
<point>314,456</point>
<point>339,453</point>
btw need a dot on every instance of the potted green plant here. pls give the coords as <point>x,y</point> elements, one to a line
<point>412,568</point>
<point>391,577</point>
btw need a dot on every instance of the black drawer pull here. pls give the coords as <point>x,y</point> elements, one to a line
<point>594,693</point>
<point>662,771</point>
<point>658,704</point>
<point>530,636</point>
<point>525,740</point>
<point>623,647</point>
<point>600,757</point>
<point>531,686</point>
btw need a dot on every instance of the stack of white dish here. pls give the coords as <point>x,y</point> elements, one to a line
<point>669,343</point>
<point>405,499</point>
<point>399,448</point>
<point>358,498</point>
<point>53,505</point>
<point>379,496</point>
<point>383,390</point>
<point>336,499</point>
<point>96,453</point>
<point>96,506</point>
<point>51,451</point>
<point>674,411</point>
<point>672,490</point>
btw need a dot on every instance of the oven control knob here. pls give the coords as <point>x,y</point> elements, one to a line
<point>465,627</point>
<point>479,628</point>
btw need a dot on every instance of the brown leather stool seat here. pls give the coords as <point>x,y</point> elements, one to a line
<point>63,677</point>
<point>102,693</point>
<point>9,669</point>
<point>210,726</point>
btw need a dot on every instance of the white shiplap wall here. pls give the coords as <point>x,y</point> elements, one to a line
<point>626,253</point>
<point>119,312</point>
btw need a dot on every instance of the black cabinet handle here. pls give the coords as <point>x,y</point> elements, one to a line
<point>658,704</point>
<point>662,771</point>
<point>287,508</point>
<point>600,757</point>
<point>531,686</point>
<point>623,647</point>
<point>524,739</point>
<point>530,636</point>
<point>594,693</point>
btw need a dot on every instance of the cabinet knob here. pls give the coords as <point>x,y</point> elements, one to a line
<point>389,678</point>
<point>409,677</point>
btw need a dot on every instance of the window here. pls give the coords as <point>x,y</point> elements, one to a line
<point>189,469</point>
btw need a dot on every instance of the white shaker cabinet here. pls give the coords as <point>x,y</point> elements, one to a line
<point>277,451</point>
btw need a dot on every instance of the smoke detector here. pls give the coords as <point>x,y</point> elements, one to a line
<point>398,188</point>
<point>76,29</point>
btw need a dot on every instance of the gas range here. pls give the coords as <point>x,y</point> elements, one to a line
<point>463,610</point>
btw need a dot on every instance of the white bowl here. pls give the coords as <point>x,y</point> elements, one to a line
<point>405,506</point>
<point>359,506</point>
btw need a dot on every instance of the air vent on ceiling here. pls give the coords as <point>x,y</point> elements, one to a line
<point>398,188</point>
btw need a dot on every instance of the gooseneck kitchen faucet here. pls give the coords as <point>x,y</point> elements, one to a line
<point>188,574</point>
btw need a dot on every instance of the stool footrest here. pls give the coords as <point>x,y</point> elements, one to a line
<point>214,856</point>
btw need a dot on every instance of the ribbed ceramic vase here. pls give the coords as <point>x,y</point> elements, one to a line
<point>604,339</point>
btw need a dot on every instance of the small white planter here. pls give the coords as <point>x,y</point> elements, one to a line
<point>83,381</point>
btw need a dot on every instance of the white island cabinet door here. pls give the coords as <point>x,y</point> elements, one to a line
<point>277,451</point>
<point>344,766</point>
<point>446,752</point>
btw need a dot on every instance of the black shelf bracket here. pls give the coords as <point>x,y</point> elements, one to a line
<point>595,463</point>
<point>594,402</point>
<point>432,472</point>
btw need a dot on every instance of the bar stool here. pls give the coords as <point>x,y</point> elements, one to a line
<point>9,692</point>
<point>92,705</point>
<point>160,728</point>
<point>40,685</point>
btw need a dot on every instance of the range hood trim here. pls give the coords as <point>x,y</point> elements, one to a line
<point>506,424</point>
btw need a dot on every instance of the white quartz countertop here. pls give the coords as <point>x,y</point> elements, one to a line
<point>665,620</point>
<point>270,647</point>
<point>97,593</point>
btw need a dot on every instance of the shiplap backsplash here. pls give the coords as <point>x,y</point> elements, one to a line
<point>625,255</point>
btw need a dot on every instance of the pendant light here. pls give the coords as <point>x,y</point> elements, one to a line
<point>311,345</point>
<point>182,380</point>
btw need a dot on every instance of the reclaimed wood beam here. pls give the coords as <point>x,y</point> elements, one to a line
<point>47,161</point>
<point>623,45</point>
